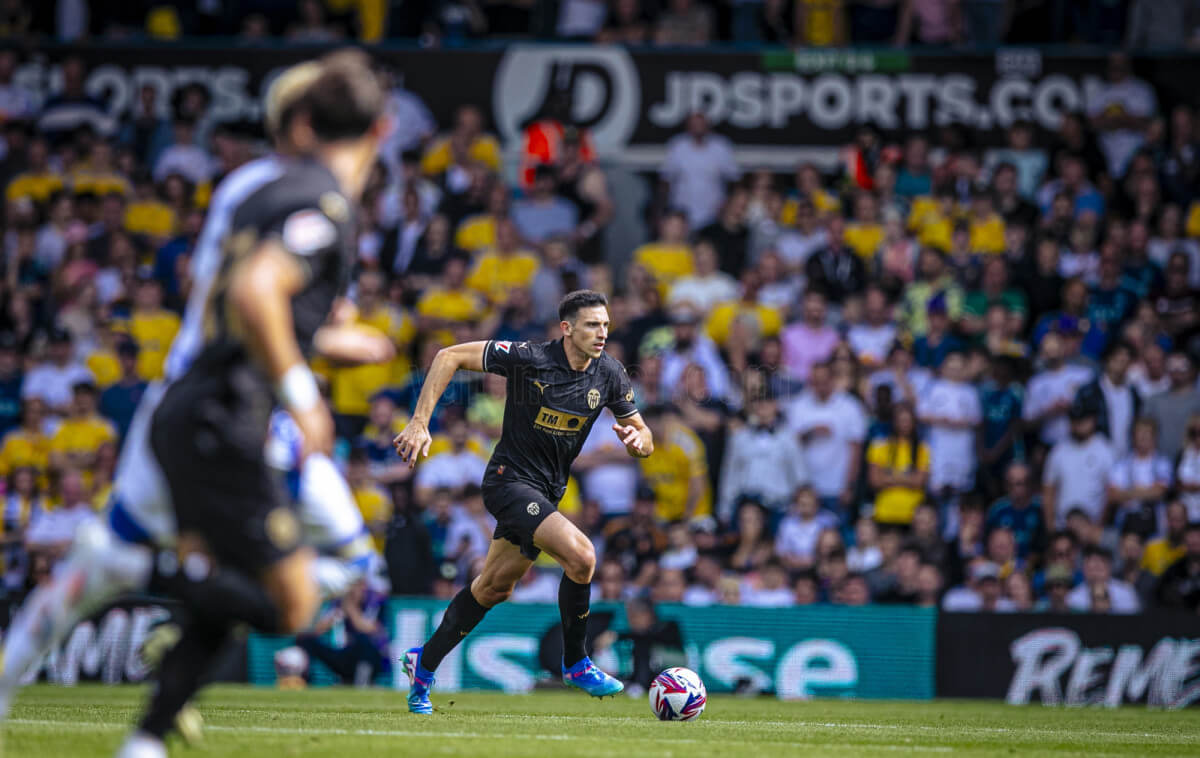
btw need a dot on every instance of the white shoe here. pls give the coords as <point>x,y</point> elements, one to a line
<point>142,745</point>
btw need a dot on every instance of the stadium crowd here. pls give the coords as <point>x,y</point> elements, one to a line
<point>941,375</point>
<point>1138,24</point>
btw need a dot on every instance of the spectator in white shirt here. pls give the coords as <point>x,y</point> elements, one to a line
<point>606,472</point>
<point>1076,472</point>
<point>1187,471</point>
<point>1113,397</point>
<point>691,345</point>
<point>796,540</point>
<point>1100,592</point>
<point>762,458</point>
<point>982,591</point>
<point>907,380</point>
<point>1120,109</point>
<point>1139,481</point>
<point>1052,390</point>
<point>50,531</point>
<point>708,286</point>
<point>952,412</point>
<point>697,167</point>
<point>832,427</point>
<point>453,469</point>
<point>769,589</point>
<point>705,588</point>
<point>873,338</point>
<point>54,379</point>
<point>865,555</point>
<point>184,156</point>
<point>798,243</point>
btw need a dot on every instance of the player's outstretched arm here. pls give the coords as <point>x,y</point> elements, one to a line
<point>353,344</point>
<point>260,292</point>
<point>414,440</point>
<point>635,435</point>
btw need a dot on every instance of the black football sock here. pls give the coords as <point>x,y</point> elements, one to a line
<point>460,618</point>
<point>219,594</point>
<point>574,601</point>
<point>180,675</point>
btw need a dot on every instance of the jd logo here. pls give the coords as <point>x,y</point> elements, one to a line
<point>600,84</point>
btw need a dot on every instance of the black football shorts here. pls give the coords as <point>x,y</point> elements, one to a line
<point>211,451</point>
<point>519,509</point>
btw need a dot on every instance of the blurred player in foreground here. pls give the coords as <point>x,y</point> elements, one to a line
<point>116,557</point>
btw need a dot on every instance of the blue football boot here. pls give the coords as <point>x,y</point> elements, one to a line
<point>419,682</point>
<point>587,677</point>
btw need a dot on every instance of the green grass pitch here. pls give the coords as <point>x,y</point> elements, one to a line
<point>254,722</point>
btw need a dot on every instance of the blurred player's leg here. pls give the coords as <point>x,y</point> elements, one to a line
<point>98,568</point>
<point>333,526</point>
<point>502,569</point>
<point>563,541</point>
<point>179,678</point>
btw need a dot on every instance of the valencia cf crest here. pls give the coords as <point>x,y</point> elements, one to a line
<point>593,397</point>
<point>334,206</point>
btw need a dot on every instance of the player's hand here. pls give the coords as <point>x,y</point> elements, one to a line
<point>413,441</point>
<point>631,438</point>
<point>316,429</point>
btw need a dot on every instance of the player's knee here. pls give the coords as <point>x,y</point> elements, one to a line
<point>490,593</point>
<point>581,564</point>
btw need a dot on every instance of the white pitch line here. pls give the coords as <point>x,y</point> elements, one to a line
<point>1032,731</point>
<point>338,732</point>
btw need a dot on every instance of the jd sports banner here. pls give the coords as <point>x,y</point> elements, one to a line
<point>1081,659</point>
<point>631,98</point>
<point>873,652</point>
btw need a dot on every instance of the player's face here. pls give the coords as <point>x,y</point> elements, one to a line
<point>589,332</point>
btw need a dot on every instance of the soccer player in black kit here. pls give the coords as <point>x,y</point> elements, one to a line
<point>555,392</point>
<point>288,254</point>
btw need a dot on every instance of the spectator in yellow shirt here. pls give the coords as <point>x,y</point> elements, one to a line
<point>762,321</point>
<point>80,435</point>
<point>373,503</point>
<point>808,186</point>
<point>466,143</point>
<point>864,234</point>
<point>151,326</point>
<point>478,231</point>
<point>27,445</point>
<point>23,502</point>
<point>102,361</point>
<point>678,470</point>
<point>1162,552</point>
<point>898,468</point>
<point>353,386</point>
<point>451,303</point>
<point>38,182</point>
<point>97,175</point>
<point>147,214</point>
<point>669,257</point>
<point>932,219</point>
<point>985,225</point>
<point>505,267</point>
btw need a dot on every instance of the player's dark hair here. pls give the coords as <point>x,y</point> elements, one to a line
<point>344,99</point>
<point>575,301</point>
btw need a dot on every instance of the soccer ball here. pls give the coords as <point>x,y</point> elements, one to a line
<point>677,694</point>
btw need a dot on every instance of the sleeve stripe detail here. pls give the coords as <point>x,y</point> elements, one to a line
<point>634,412</point>
<point>487,346</point>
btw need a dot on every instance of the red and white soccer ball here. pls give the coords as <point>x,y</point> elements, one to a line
<point>677,694</point>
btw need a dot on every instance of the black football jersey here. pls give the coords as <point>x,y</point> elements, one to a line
<point>550,409</point>
<point>304,210</point>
